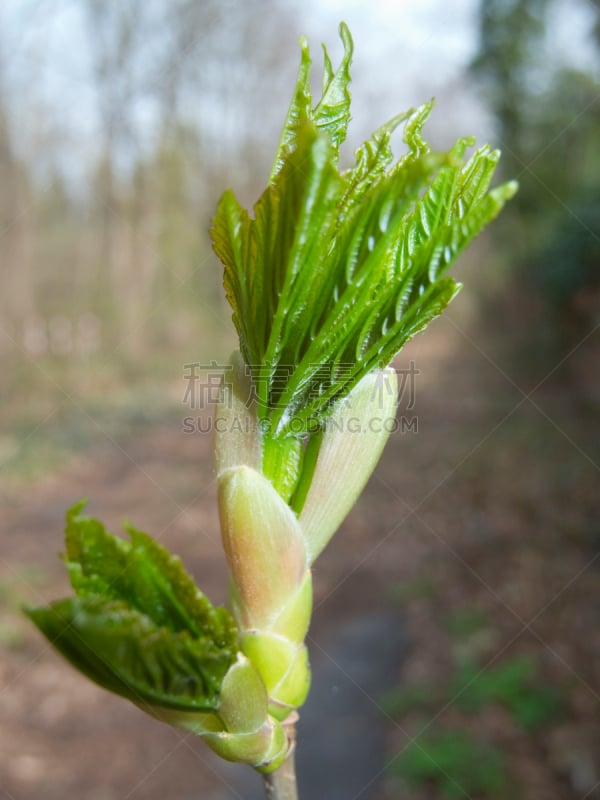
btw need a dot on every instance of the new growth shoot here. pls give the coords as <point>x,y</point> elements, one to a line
<point>328,277</point>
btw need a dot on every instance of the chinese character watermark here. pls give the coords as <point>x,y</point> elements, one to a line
<point>212,384</point>
<point>407,385</point>
<point>207,384</point>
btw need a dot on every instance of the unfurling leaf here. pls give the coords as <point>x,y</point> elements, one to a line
<point>126,652</point>
<point>336,271</point>
<point>138,624</point>
<point>143,575</point>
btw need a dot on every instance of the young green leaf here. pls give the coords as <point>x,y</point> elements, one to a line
<point>126,652</point>
<point>138,624</point>
<point>336,271</point>
<point>143,575</point>
<point>331,114</point>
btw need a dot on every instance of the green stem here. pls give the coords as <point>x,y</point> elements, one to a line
<point>281,784</point>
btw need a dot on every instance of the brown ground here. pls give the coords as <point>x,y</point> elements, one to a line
<point>492,506</point>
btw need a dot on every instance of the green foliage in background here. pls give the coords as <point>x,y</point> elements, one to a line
<point>453,759</point>
<point>457,764</point>
<point>473,687</point>
<point>514,685</point>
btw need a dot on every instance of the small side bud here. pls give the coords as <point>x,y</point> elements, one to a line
<point>243,703</point>
<point>265,748</point>
<point>242,730</point>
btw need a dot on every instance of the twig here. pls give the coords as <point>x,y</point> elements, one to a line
<point>281,784</point>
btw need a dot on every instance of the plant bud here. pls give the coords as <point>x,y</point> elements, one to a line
<point>263,543</point>
<point>243,729</point>
<point>243,702</point>
<point>354,438</point>
<point>251,735</point>
<point>266,748</point>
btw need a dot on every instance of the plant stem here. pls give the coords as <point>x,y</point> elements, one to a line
<point>281,784</point>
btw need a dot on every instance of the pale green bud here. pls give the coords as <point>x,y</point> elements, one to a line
<point>354,438</point>
<point>243,699</point>
<point>252,736</point>
<point>264,749</point>
<point>279,652</point>
<point>263,543</point>
<point>242,730</point>
<point>271,588</point>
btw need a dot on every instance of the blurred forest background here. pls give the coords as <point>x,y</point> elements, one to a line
<point>121,123</point>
